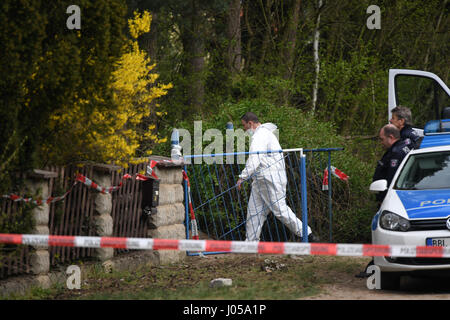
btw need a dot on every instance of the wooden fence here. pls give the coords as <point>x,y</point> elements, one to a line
<point>75,216</point>
<point>13,259</point>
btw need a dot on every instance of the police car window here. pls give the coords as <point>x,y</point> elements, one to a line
<point>425,171</point>
<point>424,96</point>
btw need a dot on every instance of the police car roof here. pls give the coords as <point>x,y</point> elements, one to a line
<point>435,140</point>
<point>437,133</point>
<point>433,144</point>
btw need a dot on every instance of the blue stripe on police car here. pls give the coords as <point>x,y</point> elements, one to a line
<point>422,204</point>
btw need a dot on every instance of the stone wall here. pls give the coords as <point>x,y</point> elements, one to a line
<point>166,222</point>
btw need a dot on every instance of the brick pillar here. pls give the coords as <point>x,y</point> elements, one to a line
<point>37,183</point>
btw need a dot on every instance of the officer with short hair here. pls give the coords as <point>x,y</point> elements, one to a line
<point>402,119</point>
<point>396,150</point>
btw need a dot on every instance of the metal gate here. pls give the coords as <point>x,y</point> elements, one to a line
<point>220,208</point>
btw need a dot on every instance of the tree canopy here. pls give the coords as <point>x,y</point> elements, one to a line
<point>71,95</point>
<point>225,51</point>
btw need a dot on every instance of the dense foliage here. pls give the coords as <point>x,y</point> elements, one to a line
<point>113,134</point>
<point>69,95</point>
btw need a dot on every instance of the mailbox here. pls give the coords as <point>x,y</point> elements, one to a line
<point>150,196</point>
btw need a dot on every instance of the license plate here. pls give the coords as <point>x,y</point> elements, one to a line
<point>438,242</point>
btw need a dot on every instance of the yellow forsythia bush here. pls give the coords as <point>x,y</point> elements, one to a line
<point>114,134</point>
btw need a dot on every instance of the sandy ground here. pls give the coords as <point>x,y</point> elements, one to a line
<point>353,288</point>
<point>347,286</point>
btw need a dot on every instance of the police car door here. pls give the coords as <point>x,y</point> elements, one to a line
<point>423,92</point>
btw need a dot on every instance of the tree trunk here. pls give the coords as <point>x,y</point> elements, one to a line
<point>267,37</point>
<point>433,37</point>
<point>194,61</point>
<point>234,54</point>
<point>149,40</point>
<point>316,58</point>
<point>290,40</point>
<point>247,58</point>
<point>289,45</point>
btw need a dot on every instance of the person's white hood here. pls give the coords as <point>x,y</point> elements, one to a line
<point>270,126</point>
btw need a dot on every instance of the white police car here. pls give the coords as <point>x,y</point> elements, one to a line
<point>416,209</point>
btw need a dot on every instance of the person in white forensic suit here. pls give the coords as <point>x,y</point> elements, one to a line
<point>268,173</point>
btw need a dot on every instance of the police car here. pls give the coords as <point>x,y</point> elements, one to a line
<point>416,208</point>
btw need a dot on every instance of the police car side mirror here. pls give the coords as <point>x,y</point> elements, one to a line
<point>378,186</point>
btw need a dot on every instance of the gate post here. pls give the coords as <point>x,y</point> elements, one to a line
<point>37,182</point>
<point>168,220</point>
<point>304,196</point>
<point>103,208</point>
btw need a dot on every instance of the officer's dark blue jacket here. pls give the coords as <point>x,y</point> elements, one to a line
<point>389,164</point>
<point>410,137</point>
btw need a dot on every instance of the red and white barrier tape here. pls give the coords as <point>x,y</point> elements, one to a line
<point>150,167</point>
<point>295,248</point>
<point>336,172</point>
<point>38,202</point>
<point>194,228</point>
<point>88,182</point>
<point>79,178</point>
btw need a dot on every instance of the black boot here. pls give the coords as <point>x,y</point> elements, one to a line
<point>365,274</point>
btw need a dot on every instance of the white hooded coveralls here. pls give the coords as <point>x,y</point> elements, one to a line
<point>269,184</point>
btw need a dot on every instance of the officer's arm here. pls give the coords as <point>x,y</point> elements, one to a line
<point>378,172</point>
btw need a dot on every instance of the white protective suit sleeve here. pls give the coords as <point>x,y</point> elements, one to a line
<point>263,139</point>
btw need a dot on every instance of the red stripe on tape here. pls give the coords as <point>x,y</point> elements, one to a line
<point>141,177</point>
<point>10,238</point>
<point>110,242</point>
<point>65,241</point>
<point>216,245</point>
<point>431,252</point>
<point>165,244</point>
<point>271,247</point>
<point>375,250</point>
<point>324,249</point>
<point>14,197</point>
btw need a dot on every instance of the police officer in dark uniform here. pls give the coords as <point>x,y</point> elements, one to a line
<point>396,150</point>
<point>402,119</point>
<point>410,136</point>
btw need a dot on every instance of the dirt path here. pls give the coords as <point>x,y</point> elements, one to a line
<point>357,290</point>
<point>349,287</point>
<point>346,286</point>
